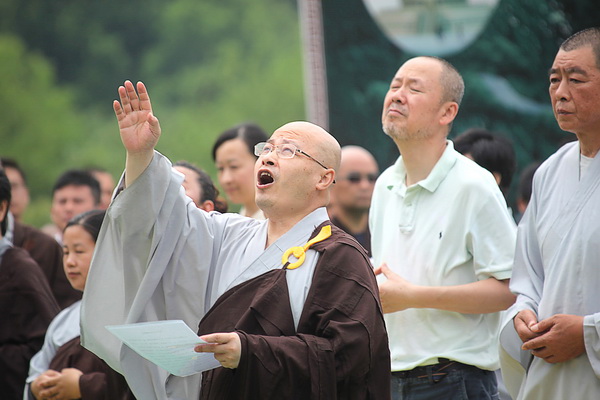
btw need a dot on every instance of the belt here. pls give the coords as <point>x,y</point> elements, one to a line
<point>438,370</point>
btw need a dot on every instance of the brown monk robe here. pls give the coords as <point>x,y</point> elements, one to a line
<point>48,254</point>
<point>26,308</point>
<point>99,381</point>
<point>339,350</point>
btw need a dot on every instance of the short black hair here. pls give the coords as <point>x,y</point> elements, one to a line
<point>526,181</point>
<point>451,80</point>
<point>78,177</point>
<point>249,132</point>
<point>491,151</point>
<point>5,196</point>
<point>586,37</point>
<point>91,221</point>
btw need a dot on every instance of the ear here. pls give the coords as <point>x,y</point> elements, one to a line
<point>498,177</point>
<point>3,209</point>
<point>327,179</point>
<point>448,112</point>
<point>208,206</point>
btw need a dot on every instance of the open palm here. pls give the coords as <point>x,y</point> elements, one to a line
<point>139,128</point>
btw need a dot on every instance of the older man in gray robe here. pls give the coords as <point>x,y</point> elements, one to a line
<point>550,345</point>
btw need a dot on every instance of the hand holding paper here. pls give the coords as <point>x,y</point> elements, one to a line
<point>227,348</point>
<point>168,344</point>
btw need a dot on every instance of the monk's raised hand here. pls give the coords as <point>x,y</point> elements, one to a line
<point>139,128</point>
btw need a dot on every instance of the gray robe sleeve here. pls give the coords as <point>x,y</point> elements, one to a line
<point>146,267</point>
<point>527,281</point>
<point>549,218</point>
<point>591,335</point>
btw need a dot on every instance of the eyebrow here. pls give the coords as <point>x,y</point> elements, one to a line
<point>228,160</point>
<point>74,245</point>
<point>572,70</point>
<point>410,80</point>
<point>285,141</point>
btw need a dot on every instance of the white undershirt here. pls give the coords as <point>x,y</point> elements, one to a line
<point>584,163</point>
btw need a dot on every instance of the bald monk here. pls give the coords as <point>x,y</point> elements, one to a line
<point>303,324</point>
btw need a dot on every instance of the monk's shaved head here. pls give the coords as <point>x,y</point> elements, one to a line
<point>316,141</point>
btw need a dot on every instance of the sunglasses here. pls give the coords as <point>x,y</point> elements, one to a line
<point>355,177</point>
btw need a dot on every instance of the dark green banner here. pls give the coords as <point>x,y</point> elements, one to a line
<point>503,49</point>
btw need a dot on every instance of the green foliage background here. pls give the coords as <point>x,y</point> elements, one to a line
<point>207,64</point>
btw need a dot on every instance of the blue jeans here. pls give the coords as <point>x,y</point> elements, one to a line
<point>450,381</point>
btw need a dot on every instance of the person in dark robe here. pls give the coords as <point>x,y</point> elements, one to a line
<point>63,369</point>
<point>46,252</point>
<point>319,358</point>
<point>48,255</point>
<point>27,306</point>
<point>19,191</point>
<point>288,305</point>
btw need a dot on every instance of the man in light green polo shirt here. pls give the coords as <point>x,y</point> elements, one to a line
<point>443,243</point>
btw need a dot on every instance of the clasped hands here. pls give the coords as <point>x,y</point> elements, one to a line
<point>54,385</point>
<point>555,339</point>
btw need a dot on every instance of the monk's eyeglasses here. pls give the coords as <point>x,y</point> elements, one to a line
<point>284,150</point>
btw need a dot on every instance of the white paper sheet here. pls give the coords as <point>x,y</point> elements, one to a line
<point>168,344</point>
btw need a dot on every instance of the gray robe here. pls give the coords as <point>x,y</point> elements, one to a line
<point>557,271</point>
<point>159,257</point>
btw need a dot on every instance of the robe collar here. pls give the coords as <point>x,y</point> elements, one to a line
<point>270,259</point>
<point>10,227</point>
<point>5,244</point>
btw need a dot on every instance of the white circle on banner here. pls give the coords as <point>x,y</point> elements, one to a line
<point>431,27</point>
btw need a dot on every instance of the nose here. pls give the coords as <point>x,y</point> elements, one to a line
<point>69,205</point>
<point>268,159</point>
<point>224,176</point>
<point>69,260</point>
<point>562,92</point>
<point>399,95</point>
<point>365,184</point>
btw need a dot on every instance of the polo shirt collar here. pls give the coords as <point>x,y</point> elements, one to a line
<point>437,174</point>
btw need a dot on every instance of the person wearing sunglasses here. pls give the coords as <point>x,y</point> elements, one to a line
<point>351,195</point>
<point>287,305</point>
